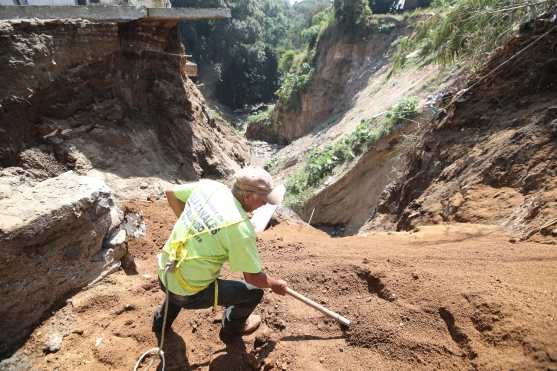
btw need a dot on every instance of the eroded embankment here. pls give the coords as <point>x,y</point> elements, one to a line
<point>492,155</point>
<point>106,99</point>
<point>447,297</point>
<point>348,84</point>
<point>110,100</point>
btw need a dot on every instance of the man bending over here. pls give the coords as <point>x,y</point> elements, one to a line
<point>212,228</point>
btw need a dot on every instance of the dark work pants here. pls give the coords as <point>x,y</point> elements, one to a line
<point>238,298</point>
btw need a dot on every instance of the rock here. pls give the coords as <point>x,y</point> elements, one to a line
<point>116,246</point>
<point>125,308</point>
<point>51,237</point>
<point>128,264</point>
<point>118,238</point>
<point>553,128</point>
<point>78,331</point>
<point>53,343</point>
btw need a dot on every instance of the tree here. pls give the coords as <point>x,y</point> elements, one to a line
<point>352,15</point>
<point>237,57</point>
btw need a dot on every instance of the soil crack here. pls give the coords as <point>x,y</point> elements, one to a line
<point>375,285</point>
<point>457,334</point>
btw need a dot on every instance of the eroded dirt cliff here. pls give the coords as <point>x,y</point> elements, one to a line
<point>104,99</point>
<point>343,68</point>
<point>492,156</point>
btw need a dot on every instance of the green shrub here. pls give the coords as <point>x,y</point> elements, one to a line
<point>293,84</point>
<point>297,66</point>
<point>286,60</point>
<point>466,30</point>
<point>263,116</point>
<point>352,16</point>
<point>271,164</point>
<point>387,27</point>
<point>406,109</point>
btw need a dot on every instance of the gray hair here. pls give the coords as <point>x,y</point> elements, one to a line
<point>239,193</point>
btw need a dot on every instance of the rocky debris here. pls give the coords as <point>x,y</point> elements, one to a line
<point>52,238</point>
<point>285,214</point>
<point>53,343</point>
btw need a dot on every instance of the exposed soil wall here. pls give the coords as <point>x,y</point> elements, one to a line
<point>346,202</point>
<point>109,99</point>
<point>343,65</point>
<point>51,245</point>
<point>492,157</point>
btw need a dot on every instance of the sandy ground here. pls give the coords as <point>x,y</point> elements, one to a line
<point>455,296</point>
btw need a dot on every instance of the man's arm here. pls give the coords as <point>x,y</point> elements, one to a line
<point>176,205</point>
<point>263,281</point>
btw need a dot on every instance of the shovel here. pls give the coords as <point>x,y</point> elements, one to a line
<point>344,321</point>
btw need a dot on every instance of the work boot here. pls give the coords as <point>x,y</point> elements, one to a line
<point>251,324</point>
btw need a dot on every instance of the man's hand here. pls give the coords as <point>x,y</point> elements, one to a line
<point>279,287</point>
<point>263,281</point>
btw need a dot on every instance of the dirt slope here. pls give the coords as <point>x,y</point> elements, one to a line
<point>105,99</point>
<point>446,297</point>
<point>350,85</point>
<point>492,157</point>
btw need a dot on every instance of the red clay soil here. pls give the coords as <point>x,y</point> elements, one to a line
<point>455,296</point>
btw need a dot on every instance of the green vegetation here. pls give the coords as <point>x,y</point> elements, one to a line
<point>261,117</point>
<point>466,30</point>
<point>293,85</point>
<point>297,66</point>
<point>321,162</point>
<point>237,57</point>
<point>352,16</point>
<point>242,59</point>
<point>266,44</point>
<point>271,164</point>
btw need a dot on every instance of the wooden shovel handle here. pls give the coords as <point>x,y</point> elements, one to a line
<point>317,306</point>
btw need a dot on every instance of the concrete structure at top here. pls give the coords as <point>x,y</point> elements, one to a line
<point>110,12</point>
<point>142,10</point>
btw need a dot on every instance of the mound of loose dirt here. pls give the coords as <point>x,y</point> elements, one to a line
<point>105,99</point>
<point>446,297</point>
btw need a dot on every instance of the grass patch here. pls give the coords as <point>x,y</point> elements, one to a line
<point>271,164</point>
<point>293,85</point>
<point>262,117</point>
<point>321,162</point>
